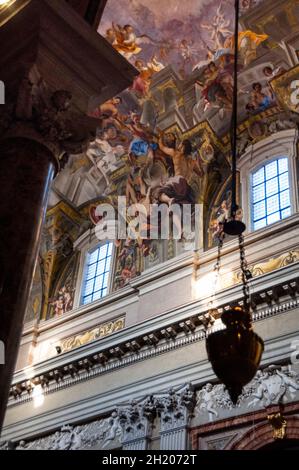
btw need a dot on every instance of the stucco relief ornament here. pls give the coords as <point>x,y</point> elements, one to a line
<point>137,418</point>
<point>176,408</point>
<point>211,398</point>
<point>274,385</point>
<point>271,386</point>
<point>46,116</point>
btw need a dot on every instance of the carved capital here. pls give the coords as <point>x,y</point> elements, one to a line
<point>176,408</point>
<point>137,419</point>
<point>46,116</point>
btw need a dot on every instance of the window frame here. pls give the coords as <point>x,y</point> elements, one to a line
<point>251,187</point>
<point>86,244</point>
<point>277,145</point>
<point>88,253</point>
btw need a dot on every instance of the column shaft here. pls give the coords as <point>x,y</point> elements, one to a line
<point>26,172</point>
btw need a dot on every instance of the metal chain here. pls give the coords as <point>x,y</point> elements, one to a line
<point>216,269</point>
<point>245,276</point>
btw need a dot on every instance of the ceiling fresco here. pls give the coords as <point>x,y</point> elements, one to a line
<point>161,32</point>
<point>165,140</point>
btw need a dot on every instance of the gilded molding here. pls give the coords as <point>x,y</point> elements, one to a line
<point>106,329</point>
<point>272,264</point>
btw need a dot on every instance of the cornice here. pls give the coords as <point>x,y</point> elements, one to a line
<point>274,294</point>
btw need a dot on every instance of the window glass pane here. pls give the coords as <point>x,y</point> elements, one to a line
<point>93,257</point>
<point>105,283</point>
<point>97,273</point>
<point>272,204</point>
<point>270,193</point>
<point>285,199</point>
<point>258,177</point>
<point>284,181</point>
<point>271,170</point>
<point>87,300</point>
<point>89,287</point>
<point>283,165</point>
<point>259,192</point>
<point>285,213</point>
<point>98,283</point>
<point>101,266</point>
<point>259,210</point>
<point>91,271</point>
<point>97,295</point>
<point>260,224</point>
<point>272,187</point>
<point>273,218</point>
<point>103,252</point>
<point>108,264</point>
<point>110,248</point>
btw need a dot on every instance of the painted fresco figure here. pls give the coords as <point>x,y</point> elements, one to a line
<point>177,189</point>
<point>218,28</point>
<point>259,99</point>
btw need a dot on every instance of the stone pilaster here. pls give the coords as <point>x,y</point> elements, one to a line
<point>176,411</point>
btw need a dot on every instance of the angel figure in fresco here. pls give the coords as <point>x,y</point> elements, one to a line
<point>248,42</point>
<point>126,269</point>
<point>58,305</point>
<point>110,36</point>
<point>219,29</point>
<point>189,55</point>
<point>105,157</point>
<point>260,99</point>
<point>271,72</point>
<point>142,83</point>
<point>216,87</point>
<point>125,40</point>
<point>66,293</point>
<point>108,112</point>
<point>143,143</point>
<point>63,302</point>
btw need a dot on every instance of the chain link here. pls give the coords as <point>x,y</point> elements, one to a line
<point>216,269</point>
<point>245,276</point>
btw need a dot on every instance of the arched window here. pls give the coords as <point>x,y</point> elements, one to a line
<point>270,193</point>
<point>97,273</point>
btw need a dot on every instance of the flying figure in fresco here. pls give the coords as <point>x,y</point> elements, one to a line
<point>125,40</point>
<point>218,28</point>
<point>105,157</point>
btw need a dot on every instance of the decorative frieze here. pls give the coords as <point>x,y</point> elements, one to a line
<point>273,385</point>
<point>143,347</point>
<point>129,426</point>
<point>86,337</point>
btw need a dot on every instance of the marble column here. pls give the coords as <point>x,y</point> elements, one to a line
<point>26,172</point>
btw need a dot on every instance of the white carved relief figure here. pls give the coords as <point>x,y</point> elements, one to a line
<point>272,385</point>
<point>114,429</point>
<point>207,401</point>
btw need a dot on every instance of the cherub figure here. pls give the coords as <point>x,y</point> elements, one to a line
<point>125,40</point>
<point>207,401</point>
